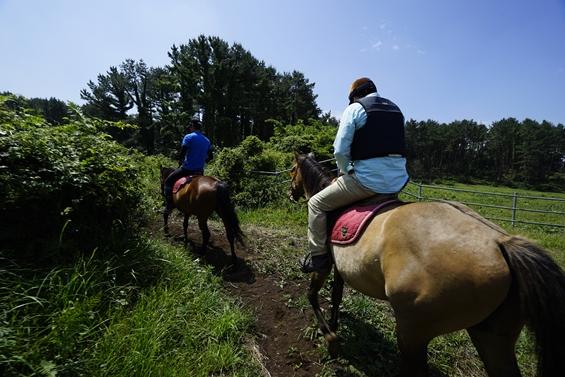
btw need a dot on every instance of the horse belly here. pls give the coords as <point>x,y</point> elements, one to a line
<point>360,267</point>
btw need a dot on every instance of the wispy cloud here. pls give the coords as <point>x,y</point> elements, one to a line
<point>383,38</point>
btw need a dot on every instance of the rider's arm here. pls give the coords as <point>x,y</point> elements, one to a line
<point>353,116</point>
<point>182,153</point>
<point>184,148</point>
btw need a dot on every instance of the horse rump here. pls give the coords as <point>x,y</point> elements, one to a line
<point>226,210</point>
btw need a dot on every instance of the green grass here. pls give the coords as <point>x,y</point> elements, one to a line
<point>367,326</point>
<point>168,316</point>
<point>484,196</point>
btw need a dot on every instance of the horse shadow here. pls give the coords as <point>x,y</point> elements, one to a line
<point>221,263</point>
<point>364,348</point>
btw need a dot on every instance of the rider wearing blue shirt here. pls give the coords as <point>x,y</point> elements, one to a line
<point>196,150</point>
<point>369,149</point>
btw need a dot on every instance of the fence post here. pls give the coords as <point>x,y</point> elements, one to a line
<point>420,192</point>
<point>514,201</point>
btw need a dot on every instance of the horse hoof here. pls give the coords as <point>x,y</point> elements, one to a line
<point>333,346</point>
<point>330,337</point>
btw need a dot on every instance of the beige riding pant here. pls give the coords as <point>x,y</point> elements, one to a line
<point>345,190</point>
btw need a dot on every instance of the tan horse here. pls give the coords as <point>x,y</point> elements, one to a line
<point>444,268</point>
<point>201,197</point>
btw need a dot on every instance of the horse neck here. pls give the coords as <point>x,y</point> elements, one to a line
<point>314,177</point>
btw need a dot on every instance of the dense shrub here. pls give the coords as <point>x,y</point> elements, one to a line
<point>240,167</point>
<point>64,185</point>
<point>245,167</point>
<point>314,136</point>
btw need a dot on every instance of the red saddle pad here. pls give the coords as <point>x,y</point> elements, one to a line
<point>181,182</point>
<point>351,223</point>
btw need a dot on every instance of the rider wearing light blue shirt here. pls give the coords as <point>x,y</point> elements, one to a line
<point>385,175</point>
<point>370,153</point>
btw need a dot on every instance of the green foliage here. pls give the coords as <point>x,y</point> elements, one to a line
<point>313,136</point>
<point>239,166</point>
<point>66,183</point>
<point>246,167</point>
<point>78,280</point>
<point>510,152</point>
<point>235,92</point>
<point>188,325</point>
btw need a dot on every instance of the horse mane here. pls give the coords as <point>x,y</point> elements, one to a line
<point>314,175</point>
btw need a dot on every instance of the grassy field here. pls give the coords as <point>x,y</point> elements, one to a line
<point>368,325</point>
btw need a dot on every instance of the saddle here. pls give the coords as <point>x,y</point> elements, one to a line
<point>181,182</point>
<point>347,225</point>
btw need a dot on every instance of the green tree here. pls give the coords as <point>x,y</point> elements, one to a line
<point>108,98</point>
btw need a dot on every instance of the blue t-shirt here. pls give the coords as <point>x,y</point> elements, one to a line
<point>197,147</point>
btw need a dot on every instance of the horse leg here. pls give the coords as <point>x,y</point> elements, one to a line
<point>166,221</point>
<point>496,352</point>
<point>203,225</point>
<point>413,352</point>
<point>337,295</point>
<point>185,229</point>
<point>231,238</point>
<point>495,338</point>
<point>316,283</point>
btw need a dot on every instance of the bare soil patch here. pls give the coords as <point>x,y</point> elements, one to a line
<point>283,329</point>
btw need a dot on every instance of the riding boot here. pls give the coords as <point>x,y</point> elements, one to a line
<point>317,263</point>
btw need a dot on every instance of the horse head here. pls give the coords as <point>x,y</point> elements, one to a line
<point>308,177</point>
<point>296,181</point>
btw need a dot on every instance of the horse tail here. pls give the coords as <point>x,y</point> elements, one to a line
<point>226,211</point>
<point>541,286</point>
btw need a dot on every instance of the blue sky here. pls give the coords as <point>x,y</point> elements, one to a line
<point>443,60</point>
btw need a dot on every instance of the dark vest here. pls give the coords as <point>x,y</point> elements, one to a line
<point>383,134</point>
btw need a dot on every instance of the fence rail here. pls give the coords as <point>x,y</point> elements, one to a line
<point>514,210</point>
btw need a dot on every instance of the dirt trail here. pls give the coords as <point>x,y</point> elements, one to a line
<point>282,345</point>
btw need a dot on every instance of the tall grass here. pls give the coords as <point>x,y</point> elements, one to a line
<point>151,311</point>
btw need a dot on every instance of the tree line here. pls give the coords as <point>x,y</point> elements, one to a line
<point>507,152</point>
<point>237,95</point>
<point>233,92</point>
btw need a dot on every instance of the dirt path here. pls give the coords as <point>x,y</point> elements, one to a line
<point>283,329</point>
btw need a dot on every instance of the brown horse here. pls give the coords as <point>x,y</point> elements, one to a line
<point>443,268</point>
<point>201,197</point>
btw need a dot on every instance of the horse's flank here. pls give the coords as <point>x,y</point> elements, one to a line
<point>198,196</point>
<point>470,262</point>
